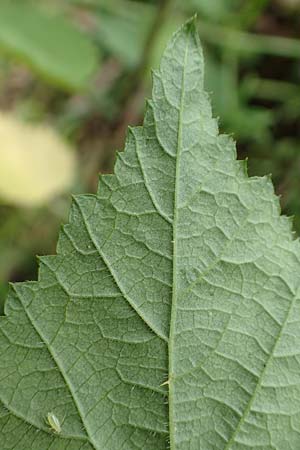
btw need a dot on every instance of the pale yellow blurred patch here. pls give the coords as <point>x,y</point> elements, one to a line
<point>35,164</point>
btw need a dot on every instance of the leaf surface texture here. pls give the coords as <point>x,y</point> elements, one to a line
<point>169,317</point>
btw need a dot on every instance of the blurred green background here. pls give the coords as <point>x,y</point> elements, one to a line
<point>75,73</point>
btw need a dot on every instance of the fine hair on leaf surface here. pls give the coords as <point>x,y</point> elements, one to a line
<point>170,316</point>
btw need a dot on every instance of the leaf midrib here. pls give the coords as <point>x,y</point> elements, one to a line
<point>172,431</point>
<point>174,290</point>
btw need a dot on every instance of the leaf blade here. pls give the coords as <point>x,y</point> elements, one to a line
<point>226,289</point>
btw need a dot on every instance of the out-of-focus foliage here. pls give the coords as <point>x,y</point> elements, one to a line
<point>213,9</point>
<point>105,48</point>
<point>50,44</point>
<point>123,31</point>
<point>35,163</point>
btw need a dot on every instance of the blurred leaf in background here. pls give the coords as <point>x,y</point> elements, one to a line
<point>214,10</point>
<point>50,44</point>
<point>122,29</point>
<point>236,115</point>
<point>81,69</point>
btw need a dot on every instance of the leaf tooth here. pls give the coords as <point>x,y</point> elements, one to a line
<point>243,164</point>
<point>288,224</point>
<point>60,248</point>
<point>105,179</point>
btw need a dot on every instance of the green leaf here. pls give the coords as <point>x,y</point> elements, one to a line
<point>170,316</point>
<point>49,44</point>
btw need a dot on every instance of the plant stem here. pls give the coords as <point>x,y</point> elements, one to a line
<point>135,79</point>
<point>133,85</point>
<point>159,20</point>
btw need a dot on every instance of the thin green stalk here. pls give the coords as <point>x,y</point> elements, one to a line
<point>131,87</point>
<point>136,79</point>
<point>247,42</point>
<point>268,89</point>
<point>229,73</point>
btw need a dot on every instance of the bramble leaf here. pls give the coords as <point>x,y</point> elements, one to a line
<point>170,316</point>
